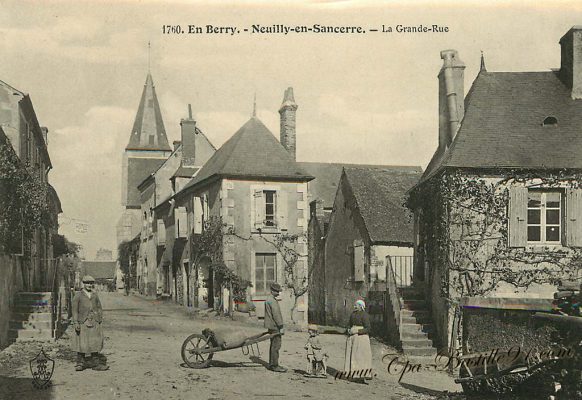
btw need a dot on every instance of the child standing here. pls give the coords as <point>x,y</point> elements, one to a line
<point>316,356</point>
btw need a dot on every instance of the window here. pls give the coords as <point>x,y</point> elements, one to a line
<point>544,216</point>
<point>550,121</point>
<point>265,272</point>
<point>270,214</point>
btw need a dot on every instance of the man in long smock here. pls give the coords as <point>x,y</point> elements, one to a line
<point>87,317</point>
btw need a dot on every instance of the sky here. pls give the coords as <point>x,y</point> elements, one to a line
<point>363,98</point>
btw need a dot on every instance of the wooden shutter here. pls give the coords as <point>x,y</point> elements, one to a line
<point>181,219</point>
<point>198,215</point>
<point>161,227</point>
<point>359,274</point>
<point>574,217</point>
<point>282,212</point>
<point>259,214</point>
<point>517,216</point>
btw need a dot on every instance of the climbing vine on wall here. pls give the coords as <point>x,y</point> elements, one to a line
<point>465,234</point>
<point>23,201</point>
<point>209,245</point>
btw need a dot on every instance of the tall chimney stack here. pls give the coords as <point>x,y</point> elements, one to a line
<point>44,130</point>
<point>451,97</point>
<point>288,111</point>
<point>188,131</point>
<point>571,61</point>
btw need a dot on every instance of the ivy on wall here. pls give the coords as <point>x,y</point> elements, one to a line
<point>464,230</point>
<point>23,201</point>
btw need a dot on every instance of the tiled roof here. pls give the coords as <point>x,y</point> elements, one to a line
<point>380,194</point>
<point>252,152</point>
<point>148,132</point>
<point>503,124</point>
<point>99,269</point>
<point>327,176</point>
<point>138,169</point>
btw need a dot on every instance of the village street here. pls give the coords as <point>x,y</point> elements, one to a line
<point>143,340</point>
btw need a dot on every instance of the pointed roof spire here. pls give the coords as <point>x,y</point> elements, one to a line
<point>483,68</point>
<point>148,131</point>
<point>149,55</point>
<point>255,106</point>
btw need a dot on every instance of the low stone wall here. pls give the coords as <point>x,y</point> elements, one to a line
<point>10,283</point>
<point>503,323</point>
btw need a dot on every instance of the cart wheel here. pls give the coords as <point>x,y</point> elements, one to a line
<point>196,342</point>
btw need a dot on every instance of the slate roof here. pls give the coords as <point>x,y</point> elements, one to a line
<point>380,194</point>
<point>327,176</point>
<point>502,126</point>
<point>99,269</point>
<point>138,169</point>
<point>148,122</point>
<point>252,152</point>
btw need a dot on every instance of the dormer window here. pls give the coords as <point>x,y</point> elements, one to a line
<point>550,121</point>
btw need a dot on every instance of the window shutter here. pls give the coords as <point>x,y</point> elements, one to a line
<point>574,217</point>
<point>517,216</point>
<point>197,215</point>
<point>282,212</point>
<point>161,232</point>
<point>259,201</point>
<point>181,218</point>
<point>359,274</point>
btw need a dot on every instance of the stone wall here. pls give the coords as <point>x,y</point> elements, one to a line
<point>10,283</point>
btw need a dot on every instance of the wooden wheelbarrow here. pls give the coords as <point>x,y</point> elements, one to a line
<point>198,349</point>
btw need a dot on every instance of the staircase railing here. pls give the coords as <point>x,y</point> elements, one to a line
<point>393,312</point>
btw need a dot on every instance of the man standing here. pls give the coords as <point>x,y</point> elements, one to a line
<point>274,324</point>
<point>87,318</point>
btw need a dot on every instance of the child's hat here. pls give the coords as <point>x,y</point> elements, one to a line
<point>312,327</point>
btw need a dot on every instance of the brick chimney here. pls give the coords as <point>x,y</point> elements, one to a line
<point>188,130</point>
<point>451,97</point>
<point>571,61</point>
<point>287,111</point>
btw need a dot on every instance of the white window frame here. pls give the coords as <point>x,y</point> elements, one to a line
<point>267,290</point>
<point>543,224</point>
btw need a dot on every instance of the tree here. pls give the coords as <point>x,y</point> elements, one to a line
<point>295,276</point>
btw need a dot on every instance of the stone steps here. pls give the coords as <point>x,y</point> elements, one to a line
<point>416,325</point>
<point>31,317</point>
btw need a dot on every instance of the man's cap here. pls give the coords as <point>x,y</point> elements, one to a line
<point>276,287</point>
<point>88,279</point>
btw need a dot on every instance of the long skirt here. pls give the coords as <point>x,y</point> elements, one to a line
<point>358,361</point>
<point>89,340</point>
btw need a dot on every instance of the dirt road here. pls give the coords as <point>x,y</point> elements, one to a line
<point>142,343</point>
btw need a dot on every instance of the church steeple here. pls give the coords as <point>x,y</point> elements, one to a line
<point>148,131</point>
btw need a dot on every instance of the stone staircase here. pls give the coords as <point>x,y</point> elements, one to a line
<point>31,317</point>
<point>416,326</point>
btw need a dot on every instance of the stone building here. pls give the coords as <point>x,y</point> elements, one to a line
<point>258,190</point>
<point>498,209</point>
<point>368,224</point>
<point>189,154</point>
<point>29,208</point>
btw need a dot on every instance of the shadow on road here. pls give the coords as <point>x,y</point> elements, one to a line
<point>23,389</point>
<point>420,389</point>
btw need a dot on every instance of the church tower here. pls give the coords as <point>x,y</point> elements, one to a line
<point>147,149</point>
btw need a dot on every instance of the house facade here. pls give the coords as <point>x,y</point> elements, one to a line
<point>498,208</point>
<point>256,189</point>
